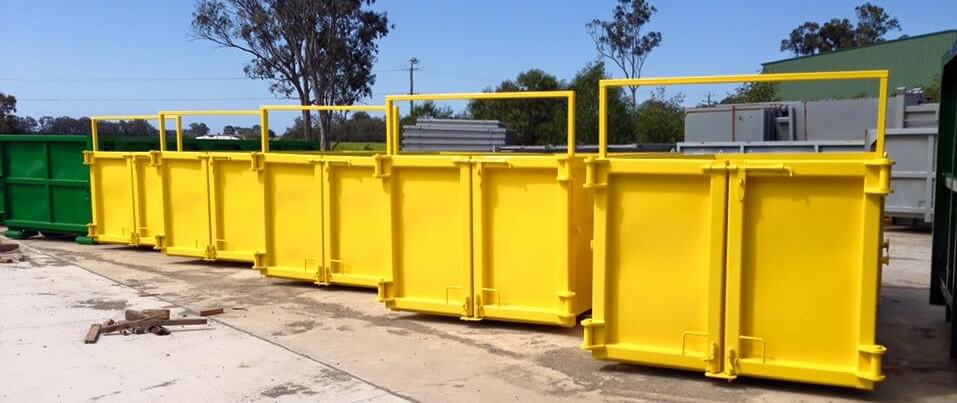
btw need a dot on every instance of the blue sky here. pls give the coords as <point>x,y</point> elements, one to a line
<point>86,58</point>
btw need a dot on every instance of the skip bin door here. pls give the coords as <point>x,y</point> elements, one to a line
<point>112,187</point>
<point>431,203</point>
<point>802,281</point>
<point>236,204</point>
<point>187,204</point>
<point>292,217</point>
<point>355,215</point>
<point>148,198</point>
<point>522,226</point>
<point>658,261</point>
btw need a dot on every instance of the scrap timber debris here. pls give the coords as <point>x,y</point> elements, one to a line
<point>139,322</point>
<point>10,253</point>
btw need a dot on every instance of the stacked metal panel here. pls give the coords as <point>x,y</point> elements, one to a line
<point>454,135</point>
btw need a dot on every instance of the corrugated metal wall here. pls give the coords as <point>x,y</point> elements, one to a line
<point>913,62</point>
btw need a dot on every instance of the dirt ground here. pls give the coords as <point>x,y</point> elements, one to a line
<point>283,340</point>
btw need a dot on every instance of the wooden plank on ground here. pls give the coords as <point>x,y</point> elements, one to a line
<point>93,334</point>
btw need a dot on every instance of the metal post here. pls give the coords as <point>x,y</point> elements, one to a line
<point>179,132</point>
<point>602,120</point>
<point>264,123</point>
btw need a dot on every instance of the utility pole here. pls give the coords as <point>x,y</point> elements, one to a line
<point>412,62</point>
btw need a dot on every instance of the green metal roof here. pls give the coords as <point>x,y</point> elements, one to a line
<point>912,62</point>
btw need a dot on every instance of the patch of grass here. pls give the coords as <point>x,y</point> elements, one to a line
<point>347,146</point>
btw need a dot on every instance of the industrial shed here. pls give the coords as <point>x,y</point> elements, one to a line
<point>913,62</point>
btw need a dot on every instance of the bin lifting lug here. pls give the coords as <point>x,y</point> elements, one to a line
<point>711,360</point>
<point>885,252</point>
<point>591,173</point>
<point>256,162</point>
<point>467,310</point>
<point>380,170</point>
<point>732,370</point>
<point>156,158</point>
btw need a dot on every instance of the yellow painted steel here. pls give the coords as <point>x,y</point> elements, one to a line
<point>116,188</point>
<point>326,215</point>
<point>293,217</point>
<point>236,205</point>
<point>213,201</point>
<point>186,202</point>
<point>659,260</point>
<point>762,265</point>
<point>148,198</point>
<point>803,269</point>
<point>486,236</point>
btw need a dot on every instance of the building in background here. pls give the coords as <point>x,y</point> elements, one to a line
<point>914,62</point>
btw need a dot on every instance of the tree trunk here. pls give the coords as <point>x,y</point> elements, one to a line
<point>325,126</point>
<point>307,125</point>
<point>634,98</point>
<point>306,115</point>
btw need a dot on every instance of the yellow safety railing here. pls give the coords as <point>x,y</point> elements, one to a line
<point>264,110</point>
<point>178,116</point>
<point>95,131</point>
<point>880,75</point>
<point>390,101</point>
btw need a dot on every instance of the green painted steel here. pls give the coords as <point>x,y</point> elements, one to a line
<point>2,186</point>
<point>913,62</point>
<point>46,186</point>
<point>943,282</point>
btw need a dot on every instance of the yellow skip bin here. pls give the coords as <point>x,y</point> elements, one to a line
<point>119,182</point>
<point>763,265</point>
<point>213,201</point>
<point>490,236</point>
<point>326,215</point>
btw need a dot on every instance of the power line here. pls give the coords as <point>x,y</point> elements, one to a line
<point>119,79</point>
<point>467,76</point>
<point>148,79</point>
<point>148,99</point>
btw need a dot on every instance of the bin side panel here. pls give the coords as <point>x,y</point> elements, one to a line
<point>149,203</point>
<point>27,160</point>
<point>29,203</point>
<point>359,243</point>
<point>659,264</point>
<point>294,228</point>
<point>66,161</point>
<point>521,219</point>
<point>69,187</point>
<point>114,196</point>
<point>801,277</point>
<point>240,210</point>
<point>28,197</point>
<point>71,207</point>
<point>187,207</point>
<point>432,243</point>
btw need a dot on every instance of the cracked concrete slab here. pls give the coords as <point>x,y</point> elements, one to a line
<point>47,304</point>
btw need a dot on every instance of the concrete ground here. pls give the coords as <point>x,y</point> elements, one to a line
<point>283,340</point>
